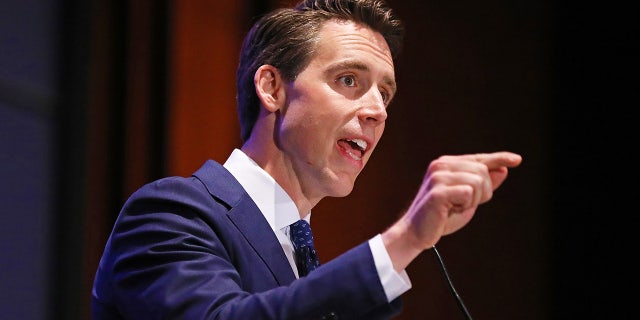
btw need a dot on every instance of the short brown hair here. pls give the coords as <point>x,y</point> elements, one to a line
<point>287,38</point>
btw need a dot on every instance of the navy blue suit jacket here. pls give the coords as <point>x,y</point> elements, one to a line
<point>199,248</point>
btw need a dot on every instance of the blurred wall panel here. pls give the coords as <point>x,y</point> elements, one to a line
<point>29,53</point>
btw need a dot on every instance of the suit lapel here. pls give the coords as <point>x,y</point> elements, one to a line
<point>255,228</point>
<point>246,216</point>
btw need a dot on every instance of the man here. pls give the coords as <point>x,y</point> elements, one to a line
<point>314,83</point>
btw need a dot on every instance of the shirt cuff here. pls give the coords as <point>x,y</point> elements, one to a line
<point>394,283</point>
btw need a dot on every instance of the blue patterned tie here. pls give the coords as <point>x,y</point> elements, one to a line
<point>305,253</point>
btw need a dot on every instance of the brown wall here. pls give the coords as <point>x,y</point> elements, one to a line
<point>202,122</point>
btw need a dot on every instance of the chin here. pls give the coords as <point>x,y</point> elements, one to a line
<point>343,191</point>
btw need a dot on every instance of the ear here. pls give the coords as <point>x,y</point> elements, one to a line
<point>269,87</point>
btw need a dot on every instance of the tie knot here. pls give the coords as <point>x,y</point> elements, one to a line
<point>301,235</point>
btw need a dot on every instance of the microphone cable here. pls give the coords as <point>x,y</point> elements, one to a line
<point>450,283</point>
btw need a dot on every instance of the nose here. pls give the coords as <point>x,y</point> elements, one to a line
<point>374,110</point>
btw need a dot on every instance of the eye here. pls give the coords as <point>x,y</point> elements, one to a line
<point>348,80</point>
<point>385,96</point>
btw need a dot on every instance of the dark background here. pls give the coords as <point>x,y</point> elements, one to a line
<point>99,97</point>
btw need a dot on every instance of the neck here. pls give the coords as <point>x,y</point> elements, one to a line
<point>273,161</point>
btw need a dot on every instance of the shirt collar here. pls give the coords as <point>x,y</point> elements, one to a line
<point>274,203</point>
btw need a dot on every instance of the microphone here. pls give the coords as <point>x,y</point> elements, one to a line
<point>450,283</point>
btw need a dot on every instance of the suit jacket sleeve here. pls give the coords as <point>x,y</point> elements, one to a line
<point>199,248</point>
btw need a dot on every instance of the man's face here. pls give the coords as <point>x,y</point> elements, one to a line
<point>336,109</point>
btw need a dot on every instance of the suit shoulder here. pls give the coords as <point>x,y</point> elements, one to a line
<point>210,185</point>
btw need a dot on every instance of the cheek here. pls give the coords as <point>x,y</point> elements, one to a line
<point>299,130</point>
<point>311,117</point>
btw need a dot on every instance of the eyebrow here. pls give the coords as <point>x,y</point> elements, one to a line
<point>362,67</point>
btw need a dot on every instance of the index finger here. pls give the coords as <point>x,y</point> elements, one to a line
<point>498,159</point>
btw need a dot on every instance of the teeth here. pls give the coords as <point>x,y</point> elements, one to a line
<point>361,143</point>
<point>354,156</point>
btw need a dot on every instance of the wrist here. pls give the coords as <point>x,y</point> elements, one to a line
<point>401,245</point>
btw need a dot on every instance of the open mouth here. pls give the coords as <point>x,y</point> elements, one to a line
<point>355,148</point>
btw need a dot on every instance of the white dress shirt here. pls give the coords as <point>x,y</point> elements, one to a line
<point>280,211</point>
